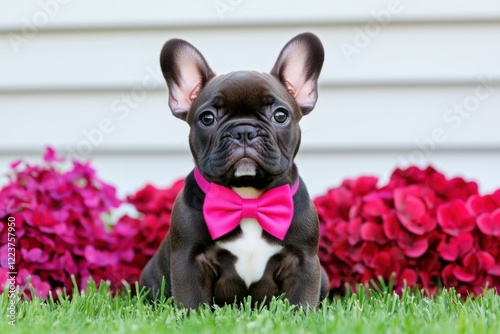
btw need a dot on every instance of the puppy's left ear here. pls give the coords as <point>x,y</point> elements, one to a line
<point>298,67</point>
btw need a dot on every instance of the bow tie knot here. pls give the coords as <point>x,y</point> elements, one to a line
<point>223,209</point>
<point>249,207</point>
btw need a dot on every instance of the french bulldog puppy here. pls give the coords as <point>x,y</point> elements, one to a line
<point>244,224</point>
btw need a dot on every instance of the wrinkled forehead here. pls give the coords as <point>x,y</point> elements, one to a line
<point>243,90</point>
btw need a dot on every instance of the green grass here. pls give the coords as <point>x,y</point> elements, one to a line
<point>96,311</point>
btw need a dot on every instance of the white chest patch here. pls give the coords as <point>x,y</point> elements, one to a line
<point>251,250</point>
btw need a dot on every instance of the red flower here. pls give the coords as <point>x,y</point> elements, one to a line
<point>414,175</point>
<point>429,270</point>
<point>388,261</point>
<point>455,218</point>
<point>353,230</point>
<point>456,188</point>
<point>374,207</point>
<point>414,207</point>
<point>372,232</point>
<point>407,278</point>
<point>494,270</point>
<point>449,279</point>
<point>456,247</point>
<point>484,204</point>
<point>338,202</point>
<point>473,264</point>
<point>153,200</point>
<point>489,224</point>
<point>413,246</point>
<point>420,226</point>
<point>392,227</point>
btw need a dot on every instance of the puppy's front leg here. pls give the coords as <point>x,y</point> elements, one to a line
<point>192,278</point>
<point>300,279</point>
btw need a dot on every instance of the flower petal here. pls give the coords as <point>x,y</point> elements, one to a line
<point>455,218</point>
<point>489,224</point>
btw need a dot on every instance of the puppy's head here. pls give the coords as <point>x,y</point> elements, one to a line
<point>244,125</point>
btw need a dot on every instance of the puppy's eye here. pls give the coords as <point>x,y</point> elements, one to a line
<point>280,115</point>
<point>207,118</point>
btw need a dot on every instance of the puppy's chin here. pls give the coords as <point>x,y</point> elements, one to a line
<point>245,168</point>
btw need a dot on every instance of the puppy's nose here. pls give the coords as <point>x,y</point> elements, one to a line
<point>244,133</point>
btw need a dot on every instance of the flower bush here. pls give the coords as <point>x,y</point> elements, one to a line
<point>422,227</point>
<point>425,229</point>
<point>61,227</point>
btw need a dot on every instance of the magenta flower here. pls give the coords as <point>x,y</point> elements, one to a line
<point>60,229</point>
<point>49,156</point>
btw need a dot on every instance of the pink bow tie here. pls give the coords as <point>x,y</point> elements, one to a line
<point>223,209</point>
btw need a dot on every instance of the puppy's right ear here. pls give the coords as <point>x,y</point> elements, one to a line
<point>298,67</point>
<point>186,73</point>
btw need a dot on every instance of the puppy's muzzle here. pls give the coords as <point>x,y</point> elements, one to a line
<point>244,134</point>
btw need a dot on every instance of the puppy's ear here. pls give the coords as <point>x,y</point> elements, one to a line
<point>298,67</point>
<point>186,73</point>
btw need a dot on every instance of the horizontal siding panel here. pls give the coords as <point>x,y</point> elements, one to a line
<point>425,54</point>
<point>378,106</point>
<point>320,171</point>
<point>344,118</point>
<point>67,13</point>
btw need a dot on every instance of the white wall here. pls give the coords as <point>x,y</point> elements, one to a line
<point>403,81</point>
